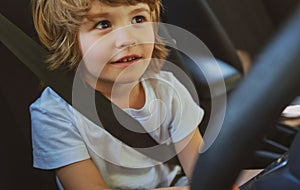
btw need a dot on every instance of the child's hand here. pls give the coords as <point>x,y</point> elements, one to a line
<point>175,188</point>
<point>235,187</point>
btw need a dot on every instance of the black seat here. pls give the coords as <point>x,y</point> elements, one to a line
<point>197,17</point>
<point>251,24</point>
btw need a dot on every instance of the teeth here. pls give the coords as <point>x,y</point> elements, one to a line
<point>128,59</point>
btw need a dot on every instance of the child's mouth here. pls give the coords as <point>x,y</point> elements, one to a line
<point>127,60</point>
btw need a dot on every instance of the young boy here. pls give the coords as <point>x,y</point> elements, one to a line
<point>120,53</point>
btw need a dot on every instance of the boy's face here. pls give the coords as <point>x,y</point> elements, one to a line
<point>118,42</point>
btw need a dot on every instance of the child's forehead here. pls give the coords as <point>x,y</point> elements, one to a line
<point>124,2</point>
<point>97,8</point>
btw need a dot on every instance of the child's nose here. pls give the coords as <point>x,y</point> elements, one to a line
<point>124,37</point>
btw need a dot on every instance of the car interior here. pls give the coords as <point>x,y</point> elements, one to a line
<point>246,38</point>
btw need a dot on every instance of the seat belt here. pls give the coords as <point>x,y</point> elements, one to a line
<point>33,55</point>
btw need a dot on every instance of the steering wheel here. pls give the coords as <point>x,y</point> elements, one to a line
<point>254,106</point>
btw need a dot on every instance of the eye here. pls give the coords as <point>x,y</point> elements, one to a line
<point>103,24</point>
<point>138,19</point>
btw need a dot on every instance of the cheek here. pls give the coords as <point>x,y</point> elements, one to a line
<point>148,41</point>
<point>149,49</point>
<point>94,55</point>
<point>150,36</point>
<point>145,34</point>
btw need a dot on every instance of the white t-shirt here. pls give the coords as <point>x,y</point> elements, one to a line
<point>61,135</point>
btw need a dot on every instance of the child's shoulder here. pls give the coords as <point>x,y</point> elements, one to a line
<point>49,100</point>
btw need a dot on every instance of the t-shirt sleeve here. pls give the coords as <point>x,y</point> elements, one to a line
<point>55,140</point>
<point>187,114</point>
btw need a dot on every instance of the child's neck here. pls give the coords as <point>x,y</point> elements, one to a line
<point>129,95</point>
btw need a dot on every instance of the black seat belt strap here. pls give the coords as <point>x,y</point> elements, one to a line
<point>33,55</point>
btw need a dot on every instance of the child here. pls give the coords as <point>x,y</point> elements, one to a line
<point>120,52</point>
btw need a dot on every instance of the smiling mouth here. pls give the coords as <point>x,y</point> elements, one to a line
<point>126,61</point>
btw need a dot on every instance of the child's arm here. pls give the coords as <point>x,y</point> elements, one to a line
<point>188,151</point>
<point>81,175</point>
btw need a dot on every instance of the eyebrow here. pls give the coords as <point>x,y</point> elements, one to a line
<point>138,10</point>
<point>106,14</point>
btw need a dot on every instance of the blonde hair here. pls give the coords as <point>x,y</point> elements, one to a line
<point>57,23</point>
